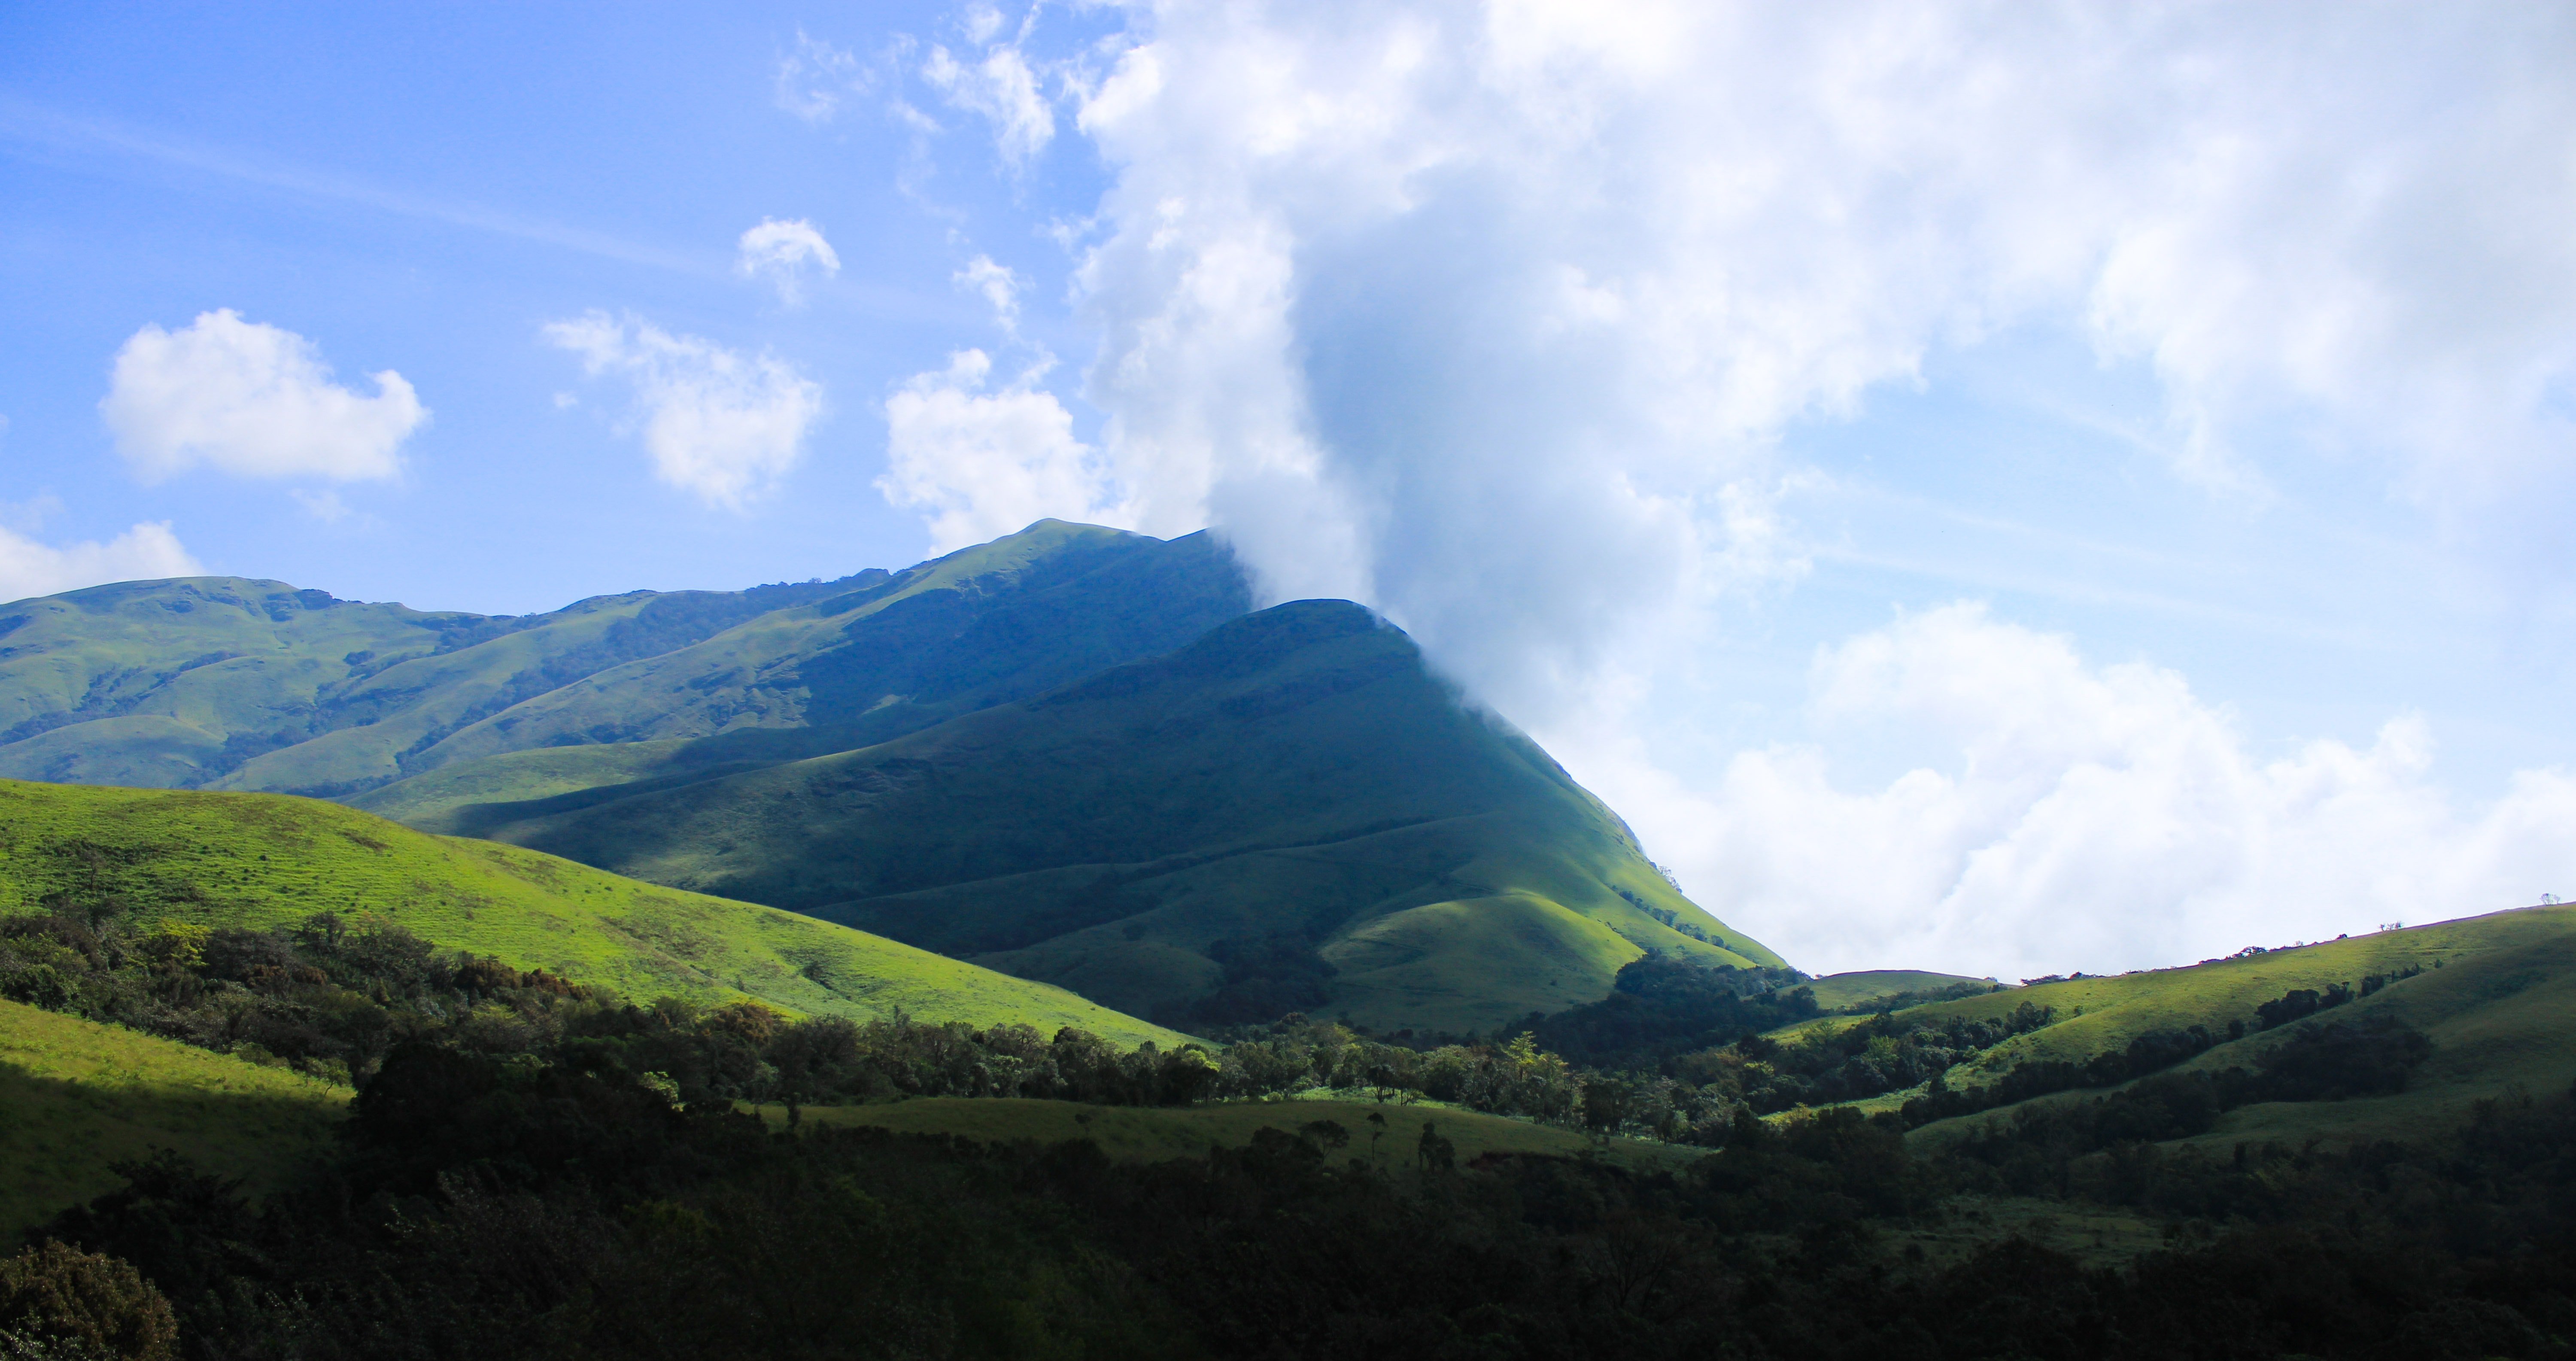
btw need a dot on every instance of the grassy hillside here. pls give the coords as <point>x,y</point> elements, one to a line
<point>260,860</point>
<point>1858,990</point>
<point>219,682</point>
<point>1152,1134</point>
<point>260,685</point>
<point>1291,802</point>
<point>2497,996</point>
<point>77,1097</point>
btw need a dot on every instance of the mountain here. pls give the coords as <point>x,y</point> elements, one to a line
<point>264,860</point>
<point>1073,754</point>
<point>220,682</point>
<point>1289,813</point>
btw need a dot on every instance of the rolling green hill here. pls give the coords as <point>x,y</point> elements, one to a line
<point>1290,807</point>
<point>227,859</point>
<point>2496,995</point>
<point>77,1097</point>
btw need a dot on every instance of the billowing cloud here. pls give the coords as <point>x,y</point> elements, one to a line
<point>1514,293</point>
<point>251,399</point>
<point>718,423</point>
<point>2074,817</point>
<point>783,252</point>
<point>1494,315</point>
<point>981,464</point>
<point>147,551</point>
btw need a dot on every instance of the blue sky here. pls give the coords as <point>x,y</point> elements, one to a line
<point>1985,489</point>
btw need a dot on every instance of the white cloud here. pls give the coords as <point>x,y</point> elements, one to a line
<point>250,399</point>
<point>145,552</point>
<point>982,464</point>
<point>1511,293</point>
<point>1000,287</point>
<point>1001,87</point>
<point>812,81</point>
<point>718,423</point>
<point>781,252</point>
<point>2077,816</point>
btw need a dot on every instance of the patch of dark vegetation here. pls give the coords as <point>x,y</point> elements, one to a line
<point>2328,1062</point>
<point>492,1207</point>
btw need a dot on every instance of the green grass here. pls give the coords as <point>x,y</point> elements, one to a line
<point>1851,991</point>
<point>77,1097</point>
<point>1296,771</point>
<point>263,860</point>
<point>1153,1134</point>
<point>2500,1009</point>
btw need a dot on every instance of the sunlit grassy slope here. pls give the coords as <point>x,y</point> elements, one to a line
<point>2500,1009</point>
<point>77,1097</point>
<point>1295,773</point>
<point>1850,991</point>
<point>1152,1134</point>
<point>258,860</point>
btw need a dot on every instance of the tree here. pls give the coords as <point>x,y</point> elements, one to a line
<point>83,1303</point>
<point>1434,1153</point>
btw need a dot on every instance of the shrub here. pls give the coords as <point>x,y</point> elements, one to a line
<point>60,1301</point>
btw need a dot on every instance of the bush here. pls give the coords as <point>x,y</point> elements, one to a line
<point>59,1301</point>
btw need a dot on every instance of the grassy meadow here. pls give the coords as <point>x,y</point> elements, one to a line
<point>77,1097</point>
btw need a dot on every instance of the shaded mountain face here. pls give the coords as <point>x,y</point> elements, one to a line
<point>1072,754</point>
<point>1290,813</point>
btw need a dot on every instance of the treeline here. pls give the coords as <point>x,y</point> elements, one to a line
<point>2333,1061</point>
<point>492,1209</point>
<point>2155,1052</point>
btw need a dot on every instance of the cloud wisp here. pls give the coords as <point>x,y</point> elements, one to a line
<point>720,424</point>
<point>783,253</point>
<point>253,400</point>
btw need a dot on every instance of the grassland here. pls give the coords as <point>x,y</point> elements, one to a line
<point>2497,996</point>
<point>262,860</point>
<point>1153,1134</point>
<point>1856,990</point>
<point>77,1097</point>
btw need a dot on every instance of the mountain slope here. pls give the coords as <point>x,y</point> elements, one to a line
<point>226,683</point>
<point>227,859</point>
<point>1288,812</point>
